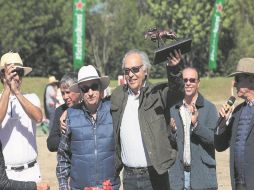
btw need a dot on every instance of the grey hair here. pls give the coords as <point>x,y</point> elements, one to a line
<point>144,58</point>
<point>69,79</point>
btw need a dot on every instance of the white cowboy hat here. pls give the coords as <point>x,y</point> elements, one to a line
<point>87,73</point>
<point>52,79</point>
<point>13,58</point>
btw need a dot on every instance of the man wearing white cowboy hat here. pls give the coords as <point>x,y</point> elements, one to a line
<point>236,129</point>
<point>19,115</point>
<point>86,150</point>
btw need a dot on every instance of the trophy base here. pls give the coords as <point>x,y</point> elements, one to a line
<point>163,53</point>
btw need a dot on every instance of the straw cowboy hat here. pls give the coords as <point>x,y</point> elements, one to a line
<point>52,79</point>
<point>87,73</point>
<point>14,58</point>
<point>244,66</point>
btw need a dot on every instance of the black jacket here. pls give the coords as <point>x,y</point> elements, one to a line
<point>7,184</point>
<point>53,139</point>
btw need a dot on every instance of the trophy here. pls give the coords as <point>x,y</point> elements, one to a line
<point>163,51</point>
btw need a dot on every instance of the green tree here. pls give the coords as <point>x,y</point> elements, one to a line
<point>40,32</point>
<point>239,23</point>
<point>116,28</point>
<point>188,18</point>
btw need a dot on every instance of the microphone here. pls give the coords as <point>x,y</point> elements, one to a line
<point>229,104</point>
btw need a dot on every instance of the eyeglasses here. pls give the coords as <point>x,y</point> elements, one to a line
<point>136,69</point>
<point>237,79</point>
<point>93,87</point>
<point>191,80</point>
<point>240,77</point>
<point>20,72</point>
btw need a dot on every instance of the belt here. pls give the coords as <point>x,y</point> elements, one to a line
<point>19,168</point>
<point>138,170</point>
<point>187,168</point>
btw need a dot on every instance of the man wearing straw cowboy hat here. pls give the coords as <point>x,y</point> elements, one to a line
<point>236,129</point>
<point>19,115</point>
<point>86,150</point>
<point>50,98</point>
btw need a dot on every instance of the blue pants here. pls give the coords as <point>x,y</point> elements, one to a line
<point>186,180</point>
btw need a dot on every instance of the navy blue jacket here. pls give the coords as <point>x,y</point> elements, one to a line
<point>203,168</point>
<point>92,147</point>
<point>226,137</point>
<point>54,137</point>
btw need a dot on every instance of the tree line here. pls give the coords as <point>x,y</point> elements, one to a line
<point>41,31</point>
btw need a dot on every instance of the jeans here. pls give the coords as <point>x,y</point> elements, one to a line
<point>144,179</point>
<point>186,180</point>
<point>241,187</point>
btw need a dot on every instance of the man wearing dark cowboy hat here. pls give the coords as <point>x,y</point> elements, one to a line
<point>236,131</point>
<point>86,150</point>
<point>19,114</point>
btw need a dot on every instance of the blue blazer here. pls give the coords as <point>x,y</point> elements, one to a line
<point>203,166</point>
<point>226,137</point>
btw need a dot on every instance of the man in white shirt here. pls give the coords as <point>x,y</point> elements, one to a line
<point>19,114</point>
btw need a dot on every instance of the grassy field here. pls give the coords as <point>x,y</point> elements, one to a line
<point>216,90</point>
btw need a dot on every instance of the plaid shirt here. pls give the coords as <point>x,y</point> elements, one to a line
<point>64,160</point>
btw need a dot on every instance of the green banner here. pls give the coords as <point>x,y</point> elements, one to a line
<point>214,36</point>
<point>78,32</point>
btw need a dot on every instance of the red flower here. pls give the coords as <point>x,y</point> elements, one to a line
<point>106,185</point>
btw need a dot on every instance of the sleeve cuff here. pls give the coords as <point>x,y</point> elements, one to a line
<point>174,70</point>
<point>194,126</point>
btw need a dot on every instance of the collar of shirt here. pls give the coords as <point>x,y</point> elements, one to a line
<point>187,105</point>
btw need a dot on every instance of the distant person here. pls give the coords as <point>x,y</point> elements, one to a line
<point>236,129</point>
<point>192,129</point>
<point>50,98</point>
<point>139,116</point>
<point>70,98</point>
<point>87,149</point>
<point>19,114</point>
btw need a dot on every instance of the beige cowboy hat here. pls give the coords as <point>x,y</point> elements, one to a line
<point>244,66</point>
<point>87,73</point>
<point>52,79</point>
<point>13,58</point>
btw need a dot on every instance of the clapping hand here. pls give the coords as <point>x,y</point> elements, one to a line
<point>194,114</point>
<point>172,125</point>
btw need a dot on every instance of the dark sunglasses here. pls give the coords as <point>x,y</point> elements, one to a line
<point>93,87</point>
<point>20,72</point>
<point>238,78</point>
<point>191,80</point>
<point>136,69</point>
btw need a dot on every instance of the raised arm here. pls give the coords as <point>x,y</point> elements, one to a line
<point>31,110</point>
